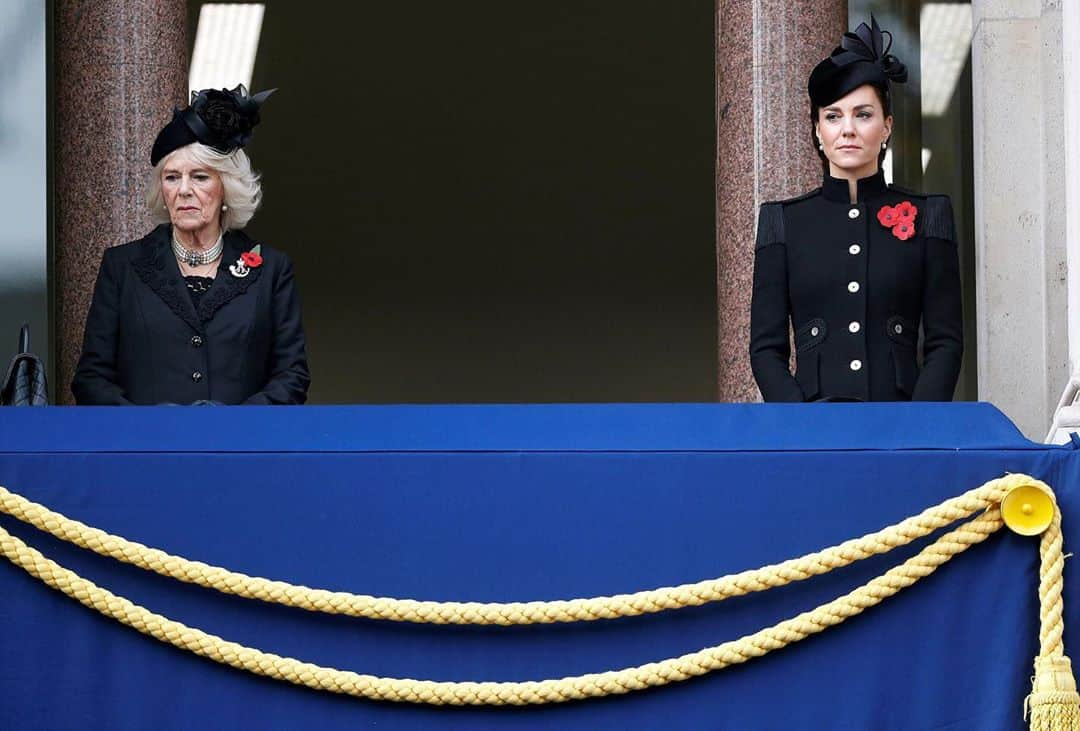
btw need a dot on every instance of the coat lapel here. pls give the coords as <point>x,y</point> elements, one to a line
<point>227,286</point>
<point>156,266</point>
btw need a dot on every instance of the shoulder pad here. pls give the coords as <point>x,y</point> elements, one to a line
<point>770,227</point>
<point>936,218</point>
<point>907,191</point>
<point>802,197</point>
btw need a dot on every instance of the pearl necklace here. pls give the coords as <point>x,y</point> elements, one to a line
<point>197,258</point>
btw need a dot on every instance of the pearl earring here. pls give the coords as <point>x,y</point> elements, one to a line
<point>224,208</point>
<point>884,145</point>
<point>820,146</point>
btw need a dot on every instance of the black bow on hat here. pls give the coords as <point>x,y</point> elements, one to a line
<point>223,119</point>
<point>861,58</point>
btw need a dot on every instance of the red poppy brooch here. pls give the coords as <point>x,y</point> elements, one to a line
<point>900,218</point>
<point>247,261</point>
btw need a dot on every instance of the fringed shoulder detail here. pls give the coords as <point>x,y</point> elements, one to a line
<point>770,226</point>
<point>937,218</point>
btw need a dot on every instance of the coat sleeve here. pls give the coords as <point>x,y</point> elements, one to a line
<point>770,349</point>
<point>96,381</point>
<point>943,336</point>
<point>287,367</point>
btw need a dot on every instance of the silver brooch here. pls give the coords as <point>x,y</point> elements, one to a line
<point>239,269</point>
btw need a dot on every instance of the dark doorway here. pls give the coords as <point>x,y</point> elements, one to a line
<point>495,202</point>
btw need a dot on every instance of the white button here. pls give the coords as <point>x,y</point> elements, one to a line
<point>856,365</point>
<point>853,287</point>
<point>898,329</point>
<point>813,332</point>
<point>853,213</point>
<point>853,327</point>
<point>854,249</point>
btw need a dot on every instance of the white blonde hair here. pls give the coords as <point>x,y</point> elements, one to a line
<point>242,191</point>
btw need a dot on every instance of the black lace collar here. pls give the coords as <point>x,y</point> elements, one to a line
<point>156,266</point>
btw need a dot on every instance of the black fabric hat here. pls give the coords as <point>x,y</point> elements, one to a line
<point>219,118</point>
<point>859,59</point>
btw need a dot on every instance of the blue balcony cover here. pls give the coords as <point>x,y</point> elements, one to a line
<point>516,503</point>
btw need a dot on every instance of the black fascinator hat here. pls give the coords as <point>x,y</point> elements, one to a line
<point>219,118</point>
<point>861,58</point>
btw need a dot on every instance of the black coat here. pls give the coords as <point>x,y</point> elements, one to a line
<point>146,344</point>
<point>855,295</point>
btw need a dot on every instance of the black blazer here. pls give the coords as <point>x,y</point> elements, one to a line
<point>146,344</point>
<point>855,295</point>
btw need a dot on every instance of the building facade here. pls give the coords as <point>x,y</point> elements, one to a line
<point>486,204</point>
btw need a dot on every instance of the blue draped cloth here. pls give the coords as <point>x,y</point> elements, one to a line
<point>517,503</point>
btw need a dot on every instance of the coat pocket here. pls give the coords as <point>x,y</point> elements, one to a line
<point>808,340</point>
<point>904,339</point>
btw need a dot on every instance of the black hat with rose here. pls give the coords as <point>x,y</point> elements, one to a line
<point>861,58</point>
<point>222,119</point>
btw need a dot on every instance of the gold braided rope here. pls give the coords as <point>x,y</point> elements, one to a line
<point>1054,703</point>
<point>496,693</point>
<point>511,613</point>
<point>612,682</point>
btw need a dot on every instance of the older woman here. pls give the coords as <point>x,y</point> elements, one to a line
<point>196,312</point>
<point>856,266</point>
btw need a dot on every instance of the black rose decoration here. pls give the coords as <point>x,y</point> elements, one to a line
<point>228,122</point>
<point>221,115</point>
<point>225,118</point>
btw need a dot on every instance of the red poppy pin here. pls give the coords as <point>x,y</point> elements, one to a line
<point>900,218</point>
<point>248,260</point>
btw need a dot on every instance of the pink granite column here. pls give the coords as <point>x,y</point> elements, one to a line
<point>765,52</point>
<point>120,67</point>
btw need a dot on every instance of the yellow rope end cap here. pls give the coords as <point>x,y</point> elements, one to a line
<point>1027,510</point>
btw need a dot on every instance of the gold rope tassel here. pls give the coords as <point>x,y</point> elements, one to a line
<point>1054,704</point>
